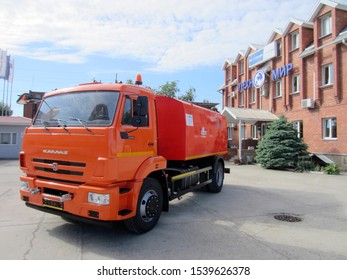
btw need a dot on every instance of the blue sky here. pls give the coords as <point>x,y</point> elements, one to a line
<point>58,44</point>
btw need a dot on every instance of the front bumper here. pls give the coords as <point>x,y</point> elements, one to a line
<point>61,198</point>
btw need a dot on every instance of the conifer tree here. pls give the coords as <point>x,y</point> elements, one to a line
<point>280,148</point>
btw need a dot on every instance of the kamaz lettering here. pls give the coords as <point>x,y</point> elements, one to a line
<point>56,152</point>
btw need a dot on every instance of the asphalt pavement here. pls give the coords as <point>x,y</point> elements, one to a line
<point>237,224</point>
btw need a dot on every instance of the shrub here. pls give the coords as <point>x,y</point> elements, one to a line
<point>332,169</point>
<point>305,164</point>
<point>280,148</point>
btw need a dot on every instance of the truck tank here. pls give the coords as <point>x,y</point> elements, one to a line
<point>187,131</point>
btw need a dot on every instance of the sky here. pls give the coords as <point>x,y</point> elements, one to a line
<point>57,44</point>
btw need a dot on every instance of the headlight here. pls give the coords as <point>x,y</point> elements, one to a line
<point>101,199</point>
<point>24,186</point>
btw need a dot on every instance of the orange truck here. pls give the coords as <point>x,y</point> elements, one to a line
<point>109,152</point>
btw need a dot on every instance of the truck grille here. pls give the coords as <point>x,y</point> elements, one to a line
<point>59,167</point>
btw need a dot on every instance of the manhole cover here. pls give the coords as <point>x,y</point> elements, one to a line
<point>288,218</point>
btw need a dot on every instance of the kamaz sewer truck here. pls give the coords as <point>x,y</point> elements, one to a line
<point>108,152</point>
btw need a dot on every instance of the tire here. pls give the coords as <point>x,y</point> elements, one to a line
<point>149,207</point>
<point>217,177</point>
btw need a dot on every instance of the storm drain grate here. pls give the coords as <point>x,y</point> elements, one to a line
<point>287,218</point>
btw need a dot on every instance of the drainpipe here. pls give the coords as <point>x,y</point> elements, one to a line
<point>240,140</point>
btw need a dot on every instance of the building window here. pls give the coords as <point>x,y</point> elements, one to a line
<point>299,127</point>
<point>327,74</point>
<point>228,101</point>
<point>278,88</point>
<point>279,48</point>
<point>230,133</point>
<point>243,132</point>
<point>228,73</point>
<point>254,132</point>
<point>253,95</point>
<point>264,128</point>
<point>242,98</point>
<point>8,138</point>
<point>329,128</point>
<point>296,84</point>
<point>242,67</point>
<point>325,25</point>
<point>294,40</point>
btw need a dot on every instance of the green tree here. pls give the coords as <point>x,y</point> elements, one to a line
<point>280,147</point>
<point>5,110</point>
<point>169,89</point>
<point>189,96</point>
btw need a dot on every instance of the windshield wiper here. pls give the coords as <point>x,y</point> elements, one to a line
<point>61,123</point>
<point>82,122</point>
<point>44,124</point>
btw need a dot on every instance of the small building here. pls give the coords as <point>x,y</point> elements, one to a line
<point>11,135</point>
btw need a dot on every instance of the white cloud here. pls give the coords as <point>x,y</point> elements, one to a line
<point>169,35</point>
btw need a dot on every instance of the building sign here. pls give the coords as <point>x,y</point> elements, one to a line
<point>262,55</point>
<point>281,72</point>
<point>259,77</point>
<point>244,85</point>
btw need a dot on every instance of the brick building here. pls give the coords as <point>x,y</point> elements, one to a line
<point>301,73</point>
<point>31,102</point>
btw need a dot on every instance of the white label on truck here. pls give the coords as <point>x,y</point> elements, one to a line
<point>189,120</point>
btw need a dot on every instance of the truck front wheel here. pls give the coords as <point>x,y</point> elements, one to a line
<point>149,207</point>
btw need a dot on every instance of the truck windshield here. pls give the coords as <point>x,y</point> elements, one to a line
<point>88,108</point>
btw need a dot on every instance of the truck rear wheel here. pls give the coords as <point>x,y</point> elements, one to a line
<point>149,207</point>
<point>217,177</point>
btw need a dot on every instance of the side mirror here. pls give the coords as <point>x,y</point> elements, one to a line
<point>142,106</point>
<point>27,98</point>
<point>140,118</point>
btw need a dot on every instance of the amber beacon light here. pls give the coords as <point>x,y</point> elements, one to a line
<point>138,80</point>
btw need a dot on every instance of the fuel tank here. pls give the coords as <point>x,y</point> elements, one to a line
<point>187,131</point>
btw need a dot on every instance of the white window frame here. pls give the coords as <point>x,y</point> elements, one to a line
<point>228,100</point>
<point>12,140</point>
<point>230,133</point>
<point>328,132</point>
<point>242,67</point>
<point>296,84</point>
<point>278,92</point>
<point>327,74</point>
<point>253,94</point>
<point>299,127</point>
<point>228,73</point>
<point>279,48</point>
<point>326,25</point>
<point>294,36</point>
<point>243,132</point>
<point>242,98</point>
<point>254,132</point>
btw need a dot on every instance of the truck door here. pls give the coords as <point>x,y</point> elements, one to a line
<point>137,136</point>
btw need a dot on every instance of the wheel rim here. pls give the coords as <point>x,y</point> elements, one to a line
<point>149,207</point>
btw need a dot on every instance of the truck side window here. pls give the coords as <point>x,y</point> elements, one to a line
<point>128,112</point>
